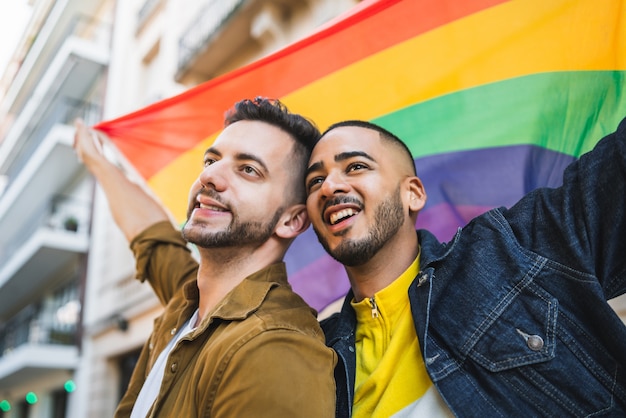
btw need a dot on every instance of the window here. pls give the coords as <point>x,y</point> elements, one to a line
<point>59,403</point>
<point>127,364</point>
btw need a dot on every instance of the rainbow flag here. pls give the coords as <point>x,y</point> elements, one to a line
<point>494,98</point>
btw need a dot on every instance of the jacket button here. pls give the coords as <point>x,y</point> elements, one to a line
<point>173,331</point>
<point>422,279</point>
<point>351,349</point>
<point>534,342</point>
<point>174,367</point>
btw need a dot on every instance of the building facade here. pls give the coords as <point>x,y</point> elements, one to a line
<point>58,74</point>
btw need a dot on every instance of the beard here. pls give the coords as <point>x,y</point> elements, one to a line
<point>237,233</point>
<point>388,218</point>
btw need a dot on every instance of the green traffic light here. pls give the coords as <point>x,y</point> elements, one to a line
<point>5,406</point>
<point>69,386</point>
<point>31,398</point>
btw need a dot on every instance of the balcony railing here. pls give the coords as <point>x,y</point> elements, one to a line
<point>64,112</point>
<point>211,18</point>
<point>82,27</point>
<point>146,10</point>
<point>89,29</point>
<point>53,320</point>
<point>59,210</point>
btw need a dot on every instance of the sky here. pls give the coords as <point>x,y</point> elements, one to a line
<point>14,16</point>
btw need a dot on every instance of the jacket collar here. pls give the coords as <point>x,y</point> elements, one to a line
<point>431,249</point>
<point>345,323</point>
<point>246,297</point>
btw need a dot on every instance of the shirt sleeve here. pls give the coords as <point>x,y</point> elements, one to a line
<point>163,259</point>
<point>582,224</point>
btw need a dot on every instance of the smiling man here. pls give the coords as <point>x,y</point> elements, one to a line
<point>510,317</point>
<point>234,340</point>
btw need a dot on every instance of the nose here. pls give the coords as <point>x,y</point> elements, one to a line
<point>213,176</point>
<point>334,183</point>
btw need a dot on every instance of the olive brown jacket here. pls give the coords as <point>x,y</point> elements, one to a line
<point>260,352</point>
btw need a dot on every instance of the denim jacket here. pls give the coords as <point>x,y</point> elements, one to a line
<point>512,314</point>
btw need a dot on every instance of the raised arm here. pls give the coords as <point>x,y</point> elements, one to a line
<point>582,224</point>
<point>133,208</point>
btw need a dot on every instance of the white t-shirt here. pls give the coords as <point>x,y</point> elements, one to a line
<point>152,385</point>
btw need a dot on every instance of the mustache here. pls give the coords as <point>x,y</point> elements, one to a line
<point>337,200</point>
<point>212,194</point>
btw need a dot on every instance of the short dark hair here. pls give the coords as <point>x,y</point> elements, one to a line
<point>304,132</point>
<point>384,134</point>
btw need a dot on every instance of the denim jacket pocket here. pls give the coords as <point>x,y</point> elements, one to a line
<point>529,360</point>
<point>523,333</point>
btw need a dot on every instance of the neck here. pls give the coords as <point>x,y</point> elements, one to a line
<point>222,269</point>
<point>379,272</point>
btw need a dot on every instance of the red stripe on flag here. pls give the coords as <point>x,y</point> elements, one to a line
<point>154,136</point>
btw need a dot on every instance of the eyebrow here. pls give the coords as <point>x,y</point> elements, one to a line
<point>340,157</point>
<point>212,150</point>
<point>242,156</point>
<point>347,155</point>
<point>246,156</point>
<point>314,167</point>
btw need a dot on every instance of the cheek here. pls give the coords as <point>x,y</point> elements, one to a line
<point>193,191</point>
<point>311,204</point>
<point>316,223</point>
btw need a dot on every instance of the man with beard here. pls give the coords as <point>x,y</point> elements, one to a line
<point>233,340</point>
<point>509,318</point>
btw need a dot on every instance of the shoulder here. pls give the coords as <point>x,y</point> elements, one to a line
<point>283,309</point>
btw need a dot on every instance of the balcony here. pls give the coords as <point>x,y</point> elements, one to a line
<point>63,112</point>
<point>46,84</point>
<point>146,11</point>
<point>227,34</point>
<point>40,340</point>
<point>33,245</point>
<point>222,21</point>
<point>50,246</point>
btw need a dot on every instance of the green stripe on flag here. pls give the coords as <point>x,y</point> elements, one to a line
<point>566,112</point>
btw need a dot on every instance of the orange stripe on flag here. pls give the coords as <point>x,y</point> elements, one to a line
<point>383,24</point>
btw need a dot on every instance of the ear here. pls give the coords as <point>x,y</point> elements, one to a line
<point>293,222</point>
<point>416,194</point>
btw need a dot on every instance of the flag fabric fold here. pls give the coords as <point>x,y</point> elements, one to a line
<point>494,98</point>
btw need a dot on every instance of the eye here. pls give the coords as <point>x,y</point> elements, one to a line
<point>208,161</point>
<point>356,167</point>
<point>250,170</point>
<point>314,183</point>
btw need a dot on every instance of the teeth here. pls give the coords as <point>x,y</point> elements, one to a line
<point>211,207</point>
<point>337,216</point>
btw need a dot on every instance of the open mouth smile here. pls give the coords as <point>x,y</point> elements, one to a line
<point>207,202</point>
<point>210,207</point>
<point>341,215</point>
